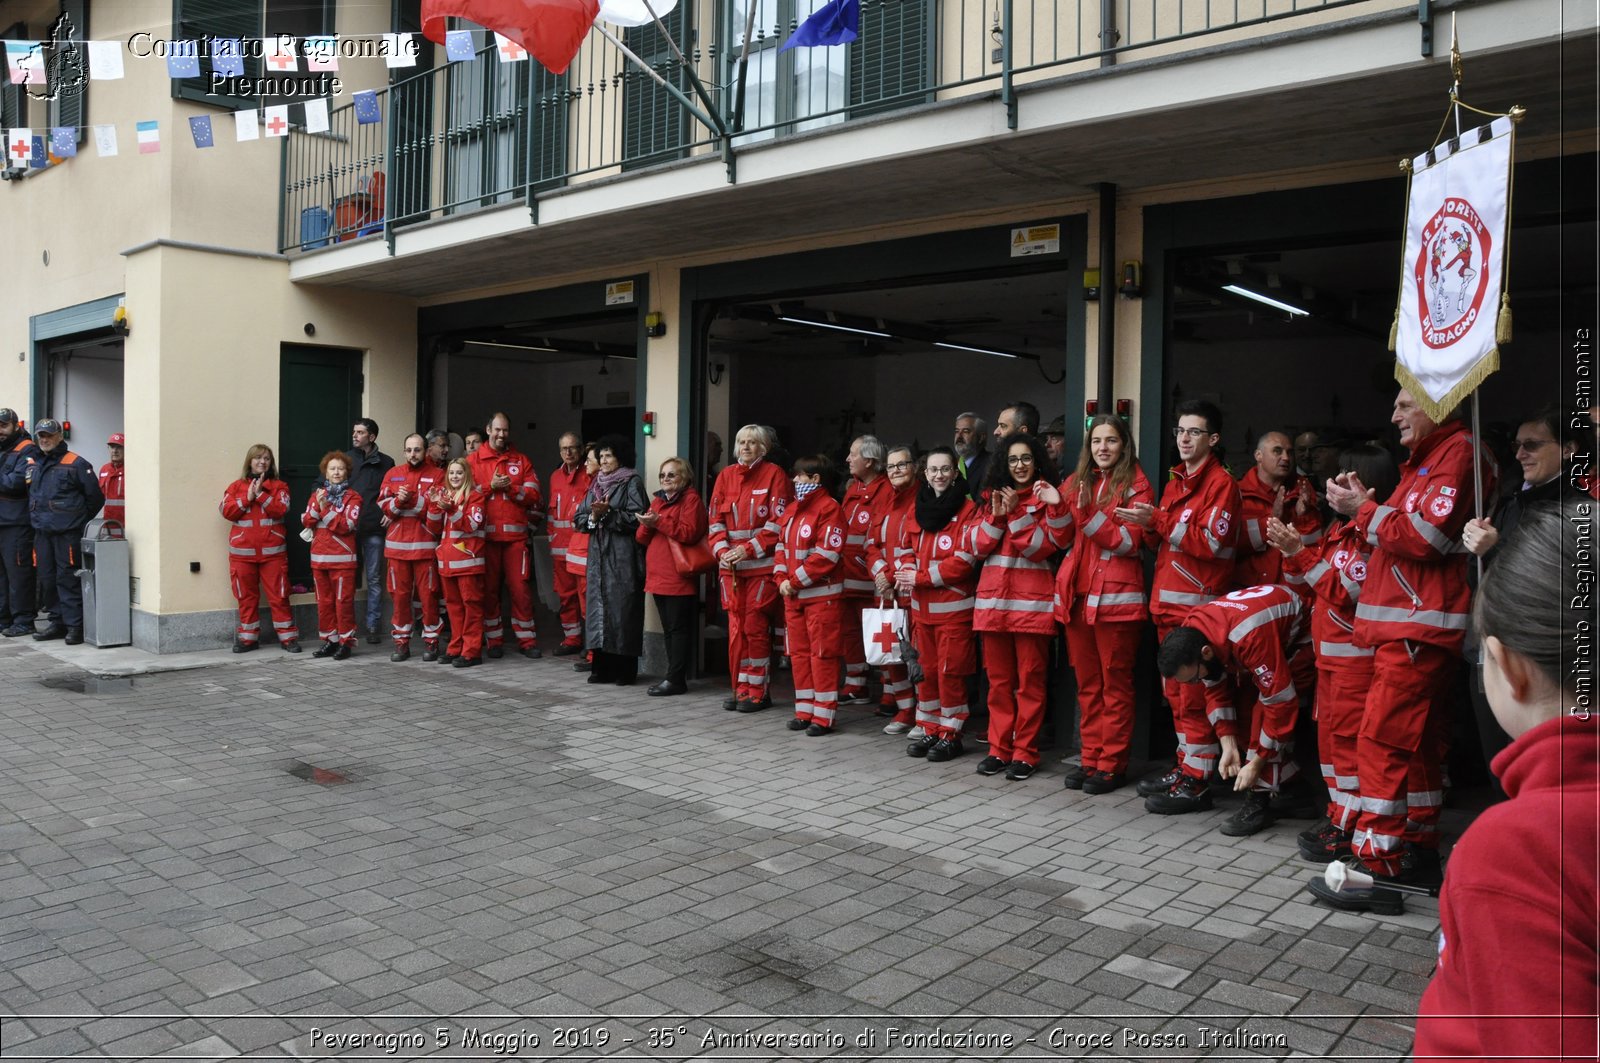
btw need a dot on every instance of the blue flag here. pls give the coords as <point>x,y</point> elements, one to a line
<point>836,22</point>
<point>183,61</point>
<point>227,58</point>
<point>64,141</point>
<point>37,156</point>
<point>367,109</point>
<point>200,129</point>
<point>458,46</point>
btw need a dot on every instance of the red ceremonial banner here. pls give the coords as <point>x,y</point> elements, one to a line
<point>552,30</point>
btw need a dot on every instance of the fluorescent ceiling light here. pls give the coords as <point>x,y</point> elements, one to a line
<point>839,328</point>
<point>977,350</point>
<point>1258,297</point>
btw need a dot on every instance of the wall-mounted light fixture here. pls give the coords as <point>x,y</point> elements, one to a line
<point>1091,285</point>
<point>655,324</point>
<point>1132,286</point>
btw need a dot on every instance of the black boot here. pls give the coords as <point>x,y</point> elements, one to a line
<point>327,649</point>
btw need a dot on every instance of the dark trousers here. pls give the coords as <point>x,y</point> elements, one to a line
<point>16,576</point>
<point>614,667</point>
<point>57,553</point>
<point>677,628</point>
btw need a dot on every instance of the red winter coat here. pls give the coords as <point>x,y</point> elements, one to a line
<point>1417,579</point>
<point>258,532</point>
<point>1193,533</point>
<point>895,518</point>
<point>684,519</point>
<point>1254,632</point>
<point>944,588</point>
<point>811,552</point>
<point>333,545</point>
<point>746,507</point>
<point>408,538</point>
<point>461,535</point>
<point>510,512</point>
<point>1104,564</point>
<point>864,507</point>
<point>112,485</point>
<point>566,492</point>
<point>1332,572</point>
<point>1016,590</point>
<point>1259,562</point>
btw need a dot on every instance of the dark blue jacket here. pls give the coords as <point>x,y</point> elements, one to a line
<point>366,478</point>
<point>65,493</point>
<point>14,462</point>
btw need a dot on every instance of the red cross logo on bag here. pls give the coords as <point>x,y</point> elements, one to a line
<point>886,638</point>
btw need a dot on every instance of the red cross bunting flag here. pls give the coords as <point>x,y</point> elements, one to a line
<point>552,30</point>
<point>1454,310</point>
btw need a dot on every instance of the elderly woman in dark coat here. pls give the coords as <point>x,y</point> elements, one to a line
<point>609,515</point>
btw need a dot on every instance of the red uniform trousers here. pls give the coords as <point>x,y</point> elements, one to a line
<point>948,655</point>
<point>1198,746</point>
<point>507,563</point>
<point>1102,656</point>
<point>1016,664</point>
<point>856,672</point>
<point>1280,765</point>
<point>249,578</point>
<point>1341,701</point>
<point>463,600</point>
<point>814,655</point>
<point>1398,752</point>
<point>336,603</point>
<point>752,605</point>
<point>570,590</point>
<point>422,577</point>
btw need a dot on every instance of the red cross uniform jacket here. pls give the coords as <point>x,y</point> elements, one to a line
<point>1104,566</point>
<point>1193,532</point>
<point>864,507</point>
<point>944,588</point>
<point>566,492</point>
<point>258,532</point>
<point>747,504</point>
<point>1016,590</point>
<point>511,511</point>
<point>812,548</point>
<point>1254,632</point>
<point>461,535</point>
<point>1416,585</point>
<point>408,537</point>
<point>1259,561</point>
<point>113,486</point>
<point>1331,573</point>
<point>895,518</point>
<point>333,543</point>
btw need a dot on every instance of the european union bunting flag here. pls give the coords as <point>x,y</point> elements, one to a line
<point>183,61</point>
<point>836,22</point>
<point>64,141</point>
<point>227,57</point>
<point>200,129</point>
<point>368,110</point>
<point>458,46</point>
<point>38,159</point>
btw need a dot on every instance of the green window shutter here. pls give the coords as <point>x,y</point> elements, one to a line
<point>72,108</point>
<point>890,62</point>
<point>547,127</point>
<point>654,124</point>
<point>196,19</point>
<point>11,102</point>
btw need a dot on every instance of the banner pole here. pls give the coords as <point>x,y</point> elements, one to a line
<point>1477,427</point>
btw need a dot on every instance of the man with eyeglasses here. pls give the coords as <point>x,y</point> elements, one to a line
<point>568,484</point>
<point>1194,532</point>
<point>866,497</point>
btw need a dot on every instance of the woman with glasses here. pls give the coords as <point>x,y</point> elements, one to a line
<point>255,504</point>
<point>676,514</point>
<point>613,625</point>
<point>901,468</point>
<point>1022,523</point>
<point>1101,600</point>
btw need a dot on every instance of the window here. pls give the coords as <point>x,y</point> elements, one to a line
<point>655,126</point>
<point>242,19</point>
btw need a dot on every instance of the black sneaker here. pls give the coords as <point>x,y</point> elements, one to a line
<point>289,646</point>
<point>990,766</point>
<point>1294,801</point>
<point>1375,898</point>
<point>1151,785</point>
<point>430,653</point>
<point>1188,794</point>
<point>730,704</point>
<point>1075,776</point>
<point>373,638</point>
<point>17,631</point>
<point>445,658</point>
<point>918,747</point>
<point>74,636</point>
<point>1323,843</point>
<point>532,653</point>
<point>797,724</point>
<point>1103,782</point>
<point>243,647</point>
<point>946,749</point>
<point>344,652</point>
<point>54,631</point>
<point>467,662</point>
<point>496,652</point>
<point>817,730</point>
<point>583,666</point>
<point>754,706</point>
<point>402,653</point>
<point>327,649</point>
<point>1254,816</point>
<point>567,649</point>
<point>1020,770</point>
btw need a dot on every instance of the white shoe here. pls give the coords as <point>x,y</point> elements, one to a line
<point>894,727</point>
<point>916,732</point>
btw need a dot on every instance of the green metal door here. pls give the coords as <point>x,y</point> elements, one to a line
<point>319,398</point>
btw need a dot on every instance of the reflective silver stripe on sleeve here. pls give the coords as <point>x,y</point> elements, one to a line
<point>1008,561</point>
<point>1435,537</point>
<point>1265,616</point>
<point>1176,535</point>
<point>1429,617</point>
<point>1063,521</point>
<point>1021,524</point>
<point>1216,547</point>
<point>1341,649</point>
<point>1256,539</point>
<point>561,524</point>
<point>1288,693</point>
<point>1125,547</point>
<point>1095,523</point>
<point>1378,518</point>
<point>1182,598</point>
<point>1317,571</point>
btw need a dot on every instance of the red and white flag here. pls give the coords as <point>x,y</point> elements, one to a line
<point>553,30</point>
<point>1454,268</point>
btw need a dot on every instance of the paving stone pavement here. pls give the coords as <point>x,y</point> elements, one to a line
<point>509,861</point>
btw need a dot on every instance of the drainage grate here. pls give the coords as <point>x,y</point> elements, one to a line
<point>321,776</point>
<point>89,684</point>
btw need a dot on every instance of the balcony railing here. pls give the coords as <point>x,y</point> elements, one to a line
<point>463,136</point>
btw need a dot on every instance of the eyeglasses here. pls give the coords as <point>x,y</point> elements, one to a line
<point>1192,433</point>
<point>1532,445</point>
<point>941,470</point>
<point>896,466</point>
<point>1020,459</point>
<point>664,477</point>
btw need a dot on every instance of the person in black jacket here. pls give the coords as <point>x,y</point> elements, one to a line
<point>17,452</point>
<point>63,495</point>
<point>971,447</point>
<point>368,465</point>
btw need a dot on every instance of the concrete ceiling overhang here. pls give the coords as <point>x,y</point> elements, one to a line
<point>1341,97</point>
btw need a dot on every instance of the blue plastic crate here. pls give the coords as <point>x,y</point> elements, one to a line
<point>315,225</point>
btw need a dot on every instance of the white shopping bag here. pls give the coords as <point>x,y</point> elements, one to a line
<point>883,628</point>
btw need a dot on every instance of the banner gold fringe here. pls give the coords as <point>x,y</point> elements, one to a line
<point>1394,330</point>
<point>1502,327</point>
<point>1438,411</point>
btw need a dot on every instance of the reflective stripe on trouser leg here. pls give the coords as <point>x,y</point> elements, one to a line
<point>797,644</point>
<point>1101,654</point>
<point>519,580</point>
<point>750,636</point>
<point>1198,746</point>
<point>247,592</point>
<point>327,605</point>
<point>400,587</point>
<point>947,655</point>
<point>494,565</point>
<point>566,586</point>
<point>346,584</point>
<point>855,657</point>
<point>897,687</point>
<point>275,578</point>
<point>1341,700</point>
<point>821,621</point>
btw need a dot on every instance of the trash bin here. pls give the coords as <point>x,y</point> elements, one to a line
<point>107,608</point>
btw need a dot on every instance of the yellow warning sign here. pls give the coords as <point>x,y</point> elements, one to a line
<point>1036,240</point>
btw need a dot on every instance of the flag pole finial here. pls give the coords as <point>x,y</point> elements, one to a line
<point>1455,52</point>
